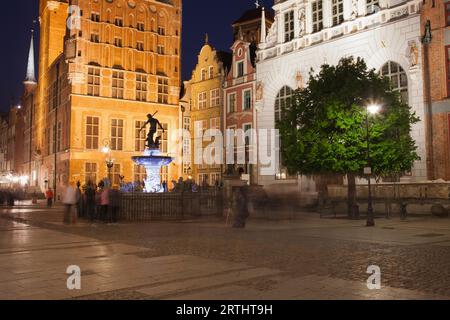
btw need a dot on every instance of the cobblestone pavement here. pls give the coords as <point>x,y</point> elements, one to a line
<point>306,258</point>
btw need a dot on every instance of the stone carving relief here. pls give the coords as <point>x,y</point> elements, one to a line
<point>299,80</point>
<point>259,91</point>
<point>413,53</point>
<point>354,9</point>
<point>302,18</point>
<point>273,34</point>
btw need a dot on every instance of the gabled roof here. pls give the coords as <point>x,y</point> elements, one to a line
<point>226,58</point>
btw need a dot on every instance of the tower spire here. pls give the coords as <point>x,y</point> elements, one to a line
<point>31,75</point>
<point>263,26</point>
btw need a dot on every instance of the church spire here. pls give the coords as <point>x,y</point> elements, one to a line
<point>31,75</point>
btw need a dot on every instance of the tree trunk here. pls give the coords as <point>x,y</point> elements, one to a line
<point>353,208</point>
<point>322,190</point>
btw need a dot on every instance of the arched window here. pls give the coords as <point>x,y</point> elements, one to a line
<point>398,77</point>
<point>282,101</point>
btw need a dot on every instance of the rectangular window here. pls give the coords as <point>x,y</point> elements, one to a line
<point>141,87</point>
<point>95,37</point>
<point>117,84</point>
<point>140,136</point>
<point>92,132</point>
<point>288,26</point>
<point>204,73</point>
<point>94,82</point>
<point>90,170</point>
<point>95,16</point>
<point>232,103</point>
<point>118,42</point>
<point>247,101</point>
<point>211,72</point>
<point>215,123</point>
<point>240,69</point>
<point>161,31</point>
<point>202,100</point>
<point>160,49</point>
<point>164,138</point>
<point>165,174</point>
<point>317,15</point>
<point>163,90</point>
<point>117,134</point>
<point>118,22</point>
<point>447,13</point>
<point>116,173</point>
<point>140,26</point>
<point>337,12</point>
<point>215,98</point>
<point>140,46</point>
<point>372,6</point>
<point>187,124</point>
<point>139,173</point>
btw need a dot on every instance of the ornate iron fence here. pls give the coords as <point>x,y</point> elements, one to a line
<point>170,206</point>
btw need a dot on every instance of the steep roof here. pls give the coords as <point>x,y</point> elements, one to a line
<point>226,58</point>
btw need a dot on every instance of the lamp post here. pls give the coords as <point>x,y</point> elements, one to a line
<point>109,160</point>
<point>370,109</point>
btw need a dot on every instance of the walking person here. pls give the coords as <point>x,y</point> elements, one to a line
<point>49,196</point>
<point>114,204</point>
<point>104,202</point>
<point>79,197</point>
<point>240,207</point>
<point>69,200</point>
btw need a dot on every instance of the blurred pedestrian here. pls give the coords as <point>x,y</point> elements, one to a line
<point>79,197</point>
<point>240,207</point>
<point>104,202</point>
<point>69,200</point>
<point>49,196</point>
<point>90,200</point>
<point>114,204</point>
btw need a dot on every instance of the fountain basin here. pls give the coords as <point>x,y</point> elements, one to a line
<point>153,161</point>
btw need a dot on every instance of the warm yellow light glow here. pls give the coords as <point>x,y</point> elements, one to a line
<point>373,109</point>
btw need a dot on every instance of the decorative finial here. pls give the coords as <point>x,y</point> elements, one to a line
<point>206,38</point>
<point>257,4</point>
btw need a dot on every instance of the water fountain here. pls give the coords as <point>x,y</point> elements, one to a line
<point>152,160</point>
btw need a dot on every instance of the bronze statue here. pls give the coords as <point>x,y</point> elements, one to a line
<point>154,123</point>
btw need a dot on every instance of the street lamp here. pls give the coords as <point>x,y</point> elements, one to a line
<point>109,160</point>
<point>372,109</point>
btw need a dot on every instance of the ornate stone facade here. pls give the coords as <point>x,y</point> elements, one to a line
<point>118,62</point>
<point>380,32</point>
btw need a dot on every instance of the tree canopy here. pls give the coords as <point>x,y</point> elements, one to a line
<point>323,130</point>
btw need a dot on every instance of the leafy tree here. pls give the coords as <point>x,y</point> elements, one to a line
<point>323,130</point>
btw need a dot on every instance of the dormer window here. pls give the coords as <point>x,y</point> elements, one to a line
<point>240,69</point>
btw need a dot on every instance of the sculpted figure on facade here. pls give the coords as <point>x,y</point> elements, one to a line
<point>302,18</point>
<point>259,91</point>
<point>273,34</point>
<point>354,9</point>
<point>413,53</point>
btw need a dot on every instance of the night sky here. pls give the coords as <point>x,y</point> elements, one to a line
<point>200,16</point>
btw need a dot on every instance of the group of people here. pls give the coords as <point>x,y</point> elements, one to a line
<point>95,202</point>
<point>9,196</point>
